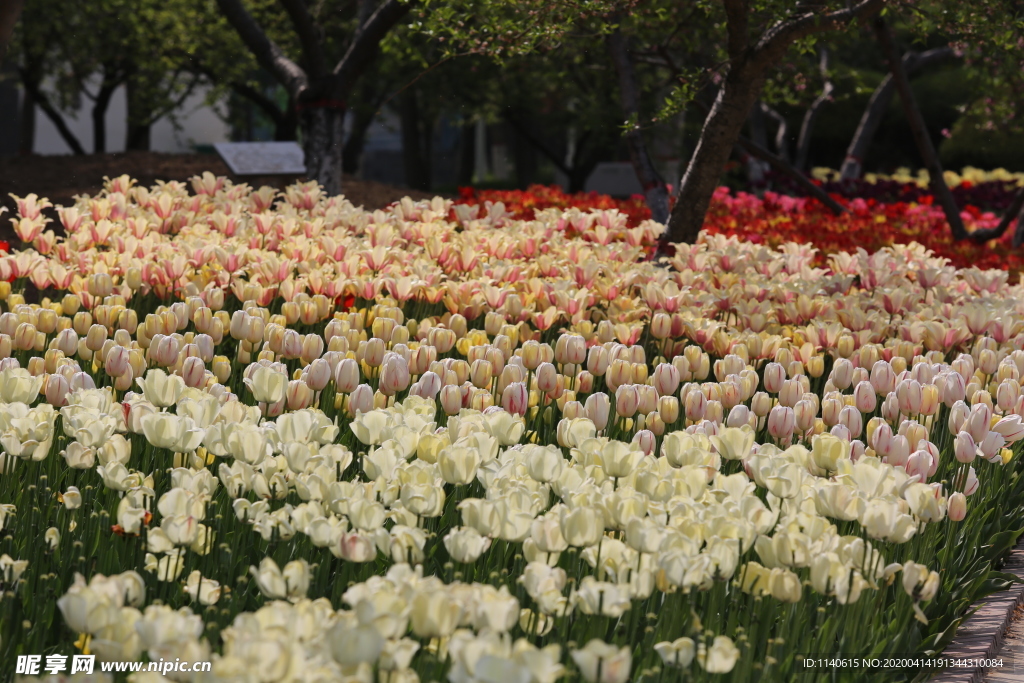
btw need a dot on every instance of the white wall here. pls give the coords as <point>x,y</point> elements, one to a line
<point>199,124</point>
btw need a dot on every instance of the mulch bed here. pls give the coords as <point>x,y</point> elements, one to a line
<point>60,178</point>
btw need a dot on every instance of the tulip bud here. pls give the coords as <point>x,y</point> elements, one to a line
<point>830,408</point>
<point>774,375</point>
<point>298,395</point>
<point>739,415</point>
<point>193,371</point>
<point>515,398</point>
<point>57,388</point>
<point>851,418</point>
<point>394,376</point>
<point>116,362</point>
<point>781,422</point>
<point>547,378</point>
<point>695,404</point>
<point>957,507</point>
<point>668,409</point>
<point>627,399</point>
<point>318,374</point>
<point>666,379</point>
<point>899,451</point>
<point>598,407</point>
<point>360,400</point>
<point>645,440</point>
<point>598,361</point>
<point>883,378</point>
<point>805,414</point>
<point>842,374</point>
<point>978,421</point>
<point>760,404</point>
<point>909,396</point>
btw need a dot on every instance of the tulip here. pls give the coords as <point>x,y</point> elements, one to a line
<point>346,376</point>
<point>781,423</point>
<point>774,375</point>
<point>515,398</point>
<point>957,507</point>
<point>394,376</point>
<point>597,408</point>
<point>465,544</point>
<point>600,662</point>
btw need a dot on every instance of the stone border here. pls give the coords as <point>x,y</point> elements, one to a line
<point>981,635</point>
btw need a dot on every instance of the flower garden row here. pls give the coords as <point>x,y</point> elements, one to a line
<point>309,442</point>
<point>880,212</point>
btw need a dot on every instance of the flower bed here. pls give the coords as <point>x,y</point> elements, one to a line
<point>776,218</point>
<point>302,440</point>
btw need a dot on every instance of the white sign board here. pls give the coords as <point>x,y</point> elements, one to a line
<point>262,158</point>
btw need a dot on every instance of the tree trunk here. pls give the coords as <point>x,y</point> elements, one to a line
<point>323,139</point>
<point>524,156</point>
<point>467,154</point>
<point>139,137</point>
<point>720,133</point>
<point>99,117</point>
<point>919,130</point>
<point>9,12</point>
<point>874,113</point>
<point>655,191</point>
<point>417,174</point>
<point>870,120</point>
<point>353,150</point>
<point>758,135</point>
<point>26,124</point>
<point>286,127</point>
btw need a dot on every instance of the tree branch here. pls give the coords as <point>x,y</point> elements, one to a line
<point>309,37</point>
<point>267,105</point>
<point>777,39</point>
<point>39,97</point>
<point>367,39</point>
<point>919,130</point>
<point>266,51</point>
<point>871,119</point>
<point>536,142</point>
<point>781,133</point>
<point>803,143</point>
<point>1012,211</point>
<point>784,167</point>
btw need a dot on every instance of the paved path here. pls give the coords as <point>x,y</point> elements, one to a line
<point>1011,653</point>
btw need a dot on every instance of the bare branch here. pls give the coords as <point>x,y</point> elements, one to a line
<point>367,39</point>
<point>871,119</point>
<point>1012,211</point>
<point>629,97</point>
<point>803,143</point>
<point>266,51</point>
<point>309,37</point>
<point>558,162</point>
<point>919,130</point>
<point>781,133</point>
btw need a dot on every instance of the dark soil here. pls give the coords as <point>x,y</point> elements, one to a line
<point>60,178</point>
